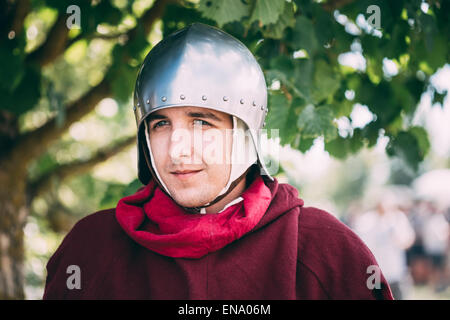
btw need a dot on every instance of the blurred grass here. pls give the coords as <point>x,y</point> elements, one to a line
<point>427,293</point>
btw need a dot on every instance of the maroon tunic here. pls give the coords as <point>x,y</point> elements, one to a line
<point>293,252</point>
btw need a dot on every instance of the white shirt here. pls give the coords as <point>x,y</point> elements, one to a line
<point>238,199</point>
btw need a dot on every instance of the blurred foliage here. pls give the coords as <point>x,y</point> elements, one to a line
<point>298,43</point>
<point>307,49</point>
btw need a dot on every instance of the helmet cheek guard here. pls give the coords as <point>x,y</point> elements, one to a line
<point>200,66</point>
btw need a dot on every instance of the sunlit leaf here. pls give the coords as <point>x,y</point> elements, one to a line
<point>224,11</point>
<point>277,30</point>
<point>411,146</point>
<point>267,11</point>
<point>326,81</point>
<point>314,122</point>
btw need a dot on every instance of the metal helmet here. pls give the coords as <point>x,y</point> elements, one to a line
<point>200,66</point>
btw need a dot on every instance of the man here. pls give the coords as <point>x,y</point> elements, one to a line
<point>388,233</point>
<point>211,222</point>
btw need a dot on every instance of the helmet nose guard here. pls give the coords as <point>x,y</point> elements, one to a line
<point>201,66</point>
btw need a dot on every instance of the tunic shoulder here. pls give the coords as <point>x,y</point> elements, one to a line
<point>333,258</point>
<point>88,245</point>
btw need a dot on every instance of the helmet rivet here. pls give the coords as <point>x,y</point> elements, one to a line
<point>254,103</point>
<point>182,97</point>
<point>262,107</point>
<point>242,101</point>
<point>204,98</point>
<point>148,101</point>
<point>163,99</point>
<point>225,98</point>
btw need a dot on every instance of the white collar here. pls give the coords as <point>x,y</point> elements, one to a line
<point>238,199</point>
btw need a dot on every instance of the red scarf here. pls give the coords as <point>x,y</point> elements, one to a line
<point>156,222</point>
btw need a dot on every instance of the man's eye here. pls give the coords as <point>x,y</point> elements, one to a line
<point>159,124</point>
<point>201,122</point>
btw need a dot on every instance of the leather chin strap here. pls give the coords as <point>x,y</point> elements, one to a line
<point>190,209</point>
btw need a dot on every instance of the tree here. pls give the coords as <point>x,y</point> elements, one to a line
<point>300,45</point>
<point>23,84</point>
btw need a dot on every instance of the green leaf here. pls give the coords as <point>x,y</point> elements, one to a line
<point>303,75</point>
<point>106,13</point>
<point>411,146</point>
<point>123,82</point>
<point>439,98</point>
<point>224,11</point>
<point>326,81</point>
<point>314,122</point>
<point>278,112</point>
<point>356,141</point>
<point>61,5</point>
<point>115,191</point>
<point>289,132</point>
<point>337,148</point>
<point>176,17</point>
<point>26,95</point>
<point>284,65</point>
<point>428,29</point>
<point>341,147</point>
<point>324,26</point>
<point>438,56</point>
<point>343,108</point>
<point>375,69</point>
<point>379,100</point>
<point>342,40</point>
<point>397,44</point>
<point>138,45</point>
<point>287,19</point>
<point>267,11</point>
<point>403,97</point>
<point>304,36</point>
<point>305,144</point>
<point>12,67</point>
<point>431,51</point>
<point>422,139</point>
<point>371,132</point>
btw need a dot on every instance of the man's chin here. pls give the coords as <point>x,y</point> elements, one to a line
<point>189,200</point>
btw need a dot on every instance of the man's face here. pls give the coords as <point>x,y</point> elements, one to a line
<point>191,139</point>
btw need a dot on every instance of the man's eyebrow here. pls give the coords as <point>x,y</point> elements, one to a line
<point>154,116</point>
<point>206,115</point>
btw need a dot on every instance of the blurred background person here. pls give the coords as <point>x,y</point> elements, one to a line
<point>388,233</point>
<point>416,255</point>
<point>435,234</point>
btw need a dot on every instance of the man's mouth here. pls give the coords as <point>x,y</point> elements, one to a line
<point>184,174</point>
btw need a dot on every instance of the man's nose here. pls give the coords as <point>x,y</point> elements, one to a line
<point>182,145</point>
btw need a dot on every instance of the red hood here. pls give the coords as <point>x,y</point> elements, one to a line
<point>156,222</point>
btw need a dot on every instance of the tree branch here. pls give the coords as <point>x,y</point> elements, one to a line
<point>108,36</point>
<point>12,15</point>
<point>53,46</point>
<point>78,167</point>
<point>60,219</point>
<point>34,143</point>
<point>21,11</point>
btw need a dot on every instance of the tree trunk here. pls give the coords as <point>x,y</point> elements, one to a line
<point>18,150</point>
<point>13,214</point>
